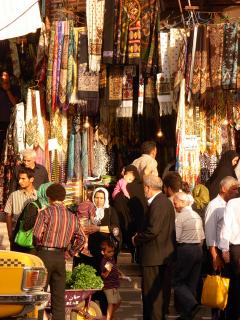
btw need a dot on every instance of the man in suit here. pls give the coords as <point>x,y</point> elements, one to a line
<point>156,243</point>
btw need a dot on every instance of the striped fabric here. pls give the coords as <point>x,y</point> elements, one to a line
<point>189,228</point>
<point>55,227</point>
<point>17,201</point>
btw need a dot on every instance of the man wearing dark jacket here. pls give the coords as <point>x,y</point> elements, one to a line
<point>156,243</point>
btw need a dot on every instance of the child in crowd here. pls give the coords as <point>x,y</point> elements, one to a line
<point>128,177</point>
<point>110,275</point>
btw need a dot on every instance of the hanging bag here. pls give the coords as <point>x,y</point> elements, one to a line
<point>215,291</point>
<point>24,238</point>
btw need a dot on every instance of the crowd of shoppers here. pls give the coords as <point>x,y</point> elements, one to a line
<point>162,223</point>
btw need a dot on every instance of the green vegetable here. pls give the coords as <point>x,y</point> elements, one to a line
<point>84,277</point>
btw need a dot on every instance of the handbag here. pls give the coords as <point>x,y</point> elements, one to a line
<point>24,238</point>
<point>215,291</point>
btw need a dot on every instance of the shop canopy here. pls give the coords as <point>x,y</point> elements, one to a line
<point>19,17</point>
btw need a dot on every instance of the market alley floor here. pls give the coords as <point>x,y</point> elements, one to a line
<point>131,307</point>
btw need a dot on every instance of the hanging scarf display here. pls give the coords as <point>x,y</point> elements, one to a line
<point>55,65</point>
<point>125,110</point>
<point>149,32</point>
<point>230,58</point>
<point>163,83</point>
<point>108,31</point>
<point>216,55</point>
<point>95,20</point>
<point>62,89</point>
<point>50,69</point>
<point>121,34</point>
<point>19,128</point>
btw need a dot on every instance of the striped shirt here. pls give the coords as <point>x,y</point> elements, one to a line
<point>56,227</point>
<point>17,201</point>
<point>189,228</point>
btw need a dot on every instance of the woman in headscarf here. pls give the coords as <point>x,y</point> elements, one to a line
<point>132,210</point>
<point>106,226</point>
<point>29,215</point>
<point>225,167</point>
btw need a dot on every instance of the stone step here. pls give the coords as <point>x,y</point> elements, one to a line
<point>135,283</point>
<point>132,269</point>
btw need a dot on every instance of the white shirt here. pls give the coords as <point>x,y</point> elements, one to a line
<point>189,228</point>
<point>231,225</point>
<point>146,162</point>
<point>214,221</point>
<point>150,200</point>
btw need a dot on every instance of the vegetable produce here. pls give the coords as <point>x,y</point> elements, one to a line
<point>83,277</point>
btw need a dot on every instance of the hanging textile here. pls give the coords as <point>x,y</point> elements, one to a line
<point>230,57</point>
<point>108,31</point>
<point>95,20</point>
<point>84,154</point>
<point>19,131</point>
<point>134,31</point>
<point>50,69</point>
<point>14,57</point>
<point>125,109</point>
<point>163,83</point>
<point>54,68</point>
<point>216,55</point>
<point>121,33</point>
<point>150,11</point>
<point>62,89</point>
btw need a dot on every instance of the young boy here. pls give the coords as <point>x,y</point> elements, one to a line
<point>110,275</point>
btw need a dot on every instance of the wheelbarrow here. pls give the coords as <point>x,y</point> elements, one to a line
<point>79,305</point>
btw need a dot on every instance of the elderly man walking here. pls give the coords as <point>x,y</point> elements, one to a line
<point>29,161</point>
<point>156,243</point>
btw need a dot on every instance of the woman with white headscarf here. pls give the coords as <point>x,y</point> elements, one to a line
<point>106,226</point>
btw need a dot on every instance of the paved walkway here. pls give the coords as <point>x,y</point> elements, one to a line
<point>131,307</point>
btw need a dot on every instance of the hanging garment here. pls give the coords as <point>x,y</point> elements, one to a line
<point>19,128</point>
<point>230,56</point>
<point>84,154</point>
<point>216,33</point>
<point>18,18</point>
<point>163,83</point>
<point>121,34</point>
<point>110,15</point>
<point>50,69</point>
<point>150,11</point>
<point>62,89</point>
<point>15,58</point>
<point>55,65</point>
<point>126,108</point>
<point>95,20</point>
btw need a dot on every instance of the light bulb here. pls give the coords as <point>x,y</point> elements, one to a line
<point>86,124</point>
<point>225,122</point>
<point>160,133</point>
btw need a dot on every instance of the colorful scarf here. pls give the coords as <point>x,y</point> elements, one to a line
<point>62,89</point>
<point>230,58</point>
<point>121,34</point>
<point>216,54</point>
<point>54,71</point>
<point>125,110</point>
<point>149,32</point>
<point>50,70</point>
<point>95,20</point>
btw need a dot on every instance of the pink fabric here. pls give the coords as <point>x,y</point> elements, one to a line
<point>120,186</point>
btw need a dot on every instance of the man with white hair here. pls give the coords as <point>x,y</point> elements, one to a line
<point>189,236</point>
<point>156,244</point>
<point>228,189</point>
<point>29,161</point>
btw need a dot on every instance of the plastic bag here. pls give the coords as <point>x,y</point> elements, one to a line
<point>215,291</point>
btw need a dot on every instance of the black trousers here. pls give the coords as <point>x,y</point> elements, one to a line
<point>55,263</point>
<point>187,273</point>
<point>233,311</point>
<point>152,291</point>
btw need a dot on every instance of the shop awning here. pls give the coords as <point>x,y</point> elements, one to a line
<point>18,18</point>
